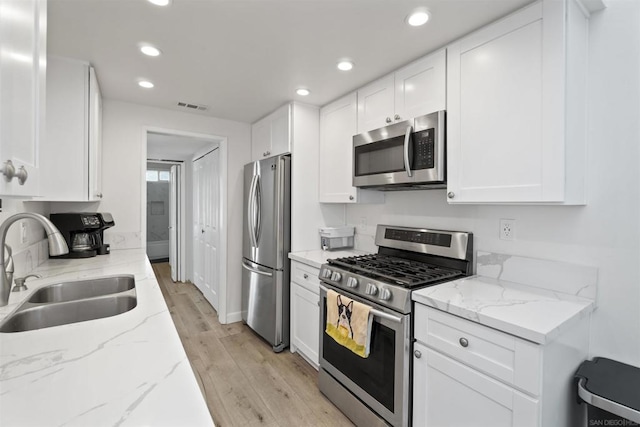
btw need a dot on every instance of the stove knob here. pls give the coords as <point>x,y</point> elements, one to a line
<point>336,276</point>
<point>385,294</point>
<point>352,282</point>
<point>371,289</point>
<point>326,274</point>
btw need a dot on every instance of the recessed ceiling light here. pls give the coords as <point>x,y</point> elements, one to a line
<point>149,50</point>
<point>418,17</point>
<point>160,2</point>
<point>145,84</point>
<point>345,65</point>
<point>303,92</point>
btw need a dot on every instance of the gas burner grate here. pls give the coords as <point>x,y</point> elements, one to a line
<point>400,271</point>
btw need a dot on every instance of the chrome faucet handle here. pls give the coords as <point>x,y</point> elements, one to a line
<point>20,286</point>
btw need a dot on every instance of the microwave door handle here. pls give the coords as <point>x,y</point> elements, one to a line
<point>407,138</point>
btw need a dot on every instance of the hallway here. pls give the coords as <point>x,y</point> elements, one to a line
<point>245,383</point>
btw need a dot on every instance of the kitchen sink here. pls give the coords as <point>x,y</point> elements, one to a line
<point>81,289</point>
<point>73,302</point>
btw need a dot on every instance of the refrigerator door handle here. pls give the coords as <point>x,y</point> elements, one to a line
<point>253,270</point>
<point>251,212</point>
<point>258,225</point>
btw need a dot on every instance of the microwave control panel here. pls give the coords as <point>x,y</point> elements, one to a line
<point>423,148</point>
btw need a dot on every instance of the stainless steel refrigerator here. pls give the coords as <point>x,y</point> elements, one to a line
<point>266,242</point>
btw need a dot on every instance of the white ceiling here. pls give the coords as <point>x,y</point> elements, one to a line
<point>175,147</point>
<point>244,58</point>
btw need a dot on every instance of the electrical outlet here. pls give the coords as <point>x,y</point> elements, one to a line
<point>23,232</point>
<point>508,229</point>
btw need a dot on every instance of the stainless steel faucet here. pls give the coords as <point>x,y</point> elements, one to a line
<point>57,246</point>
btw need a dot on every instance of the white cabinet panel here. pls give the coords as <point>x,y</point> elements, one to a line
<point>74,133</point>
<point>421,87</point>
<point>337,128</point>
<point>508,137</point>
<point>412,91</point>
<point>375,104</point>
<point>305,321</point>
<point>442,386</point>
<point>22,85</point>
<point>271,135</point>
<point>492,352</point>
<point>305,311</point>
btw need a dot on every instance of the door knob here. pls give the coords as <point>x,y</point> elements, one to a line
<point>203,230</point>
<point>451,194</point>
<point>396,117</point>
<point>417,354</point>
<point>388,120</point>
<point>8,170</point>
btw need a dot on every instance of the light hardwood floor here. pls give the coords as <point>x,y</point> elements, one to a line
<point>244,382</point>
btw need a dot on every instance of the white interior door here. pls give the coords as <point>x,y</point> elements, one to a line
<point>174,222</point>
<point>206,229</point>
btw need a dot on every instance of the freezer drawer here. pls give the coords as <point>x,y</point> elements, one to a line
<point>265,303</point>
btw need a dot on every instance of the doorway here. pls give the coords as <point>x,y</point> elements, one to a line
<point>186,151</point>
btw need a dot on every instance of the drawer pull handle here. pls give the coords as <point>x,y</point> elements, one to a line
<point>305,275</point>
<point>464,342</point>
<point>417,354</point>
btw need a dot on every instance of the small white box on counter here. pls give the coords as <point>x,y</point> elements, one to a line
<point>336,237</point>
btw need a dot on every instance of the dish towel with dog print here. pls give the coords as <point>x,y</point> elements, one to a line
<point>349,323</point>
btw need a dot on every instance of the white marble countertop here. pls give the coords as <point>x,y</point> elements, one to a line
<point>316,258</point>
<point>531,313</point>
<point>125,370</point>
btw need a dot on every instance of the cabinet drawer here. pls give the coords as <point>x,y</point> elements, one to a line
<point>512,360</point>
<point>306,276</point>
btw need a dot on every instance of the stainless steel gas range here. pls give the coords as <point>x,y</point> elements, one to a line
<point>377,390</point>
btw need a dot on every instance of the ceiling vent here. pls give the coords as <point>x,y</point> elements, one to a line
<point>190,106</point>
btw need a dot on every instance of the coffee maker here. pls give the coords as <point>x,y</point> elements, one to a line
<point>83,232</point>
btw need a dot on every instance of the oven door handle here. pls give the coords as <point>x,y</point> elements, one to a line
<point>407,138</point>
<point>374,312</point>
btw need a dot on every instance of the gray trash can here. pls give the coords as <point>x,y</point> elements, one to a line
<point>611,390</point>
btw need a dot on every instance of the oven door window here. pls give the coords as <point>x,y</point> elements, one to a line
<point>380,157</point>
<point>374,374</point>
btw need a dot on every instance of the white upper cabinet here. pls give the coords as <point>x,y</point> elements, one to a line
<point>337,128</point>
<point>415,90</point>
<point>271,135</point>
<point>420,87</point>
<point>22,85</point>
<point>516,117</point>
<point>71,152</point>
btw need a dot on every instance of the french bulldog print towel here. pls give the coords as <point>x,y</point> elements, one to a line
<point>349,323</point>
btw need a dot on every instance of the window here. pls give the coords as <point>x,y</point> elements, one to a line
<point>156,175</point>
<point>152,176</point>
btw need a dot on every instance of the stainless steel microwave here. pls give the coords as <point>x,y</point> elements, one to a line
<point>402,156</point>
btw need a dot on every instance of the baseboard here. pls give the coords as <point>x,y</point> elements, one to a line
<point>233,317</point>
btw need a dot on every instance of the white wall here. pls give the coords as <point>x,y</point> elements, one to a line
<point>124,160</point>
<point>606,232</point>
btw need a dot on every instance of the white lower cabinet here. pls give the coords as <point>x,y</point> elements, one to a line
<point>468,374</point>
<point>305,311</point>
<point>449,393</point>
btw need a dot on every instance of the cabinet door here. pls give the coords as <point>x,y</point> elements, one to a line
<point>421,87</point>
<point>375,105</point>
<point>260,139</point>
<point>442,387</point>
<point>507,99</point>
<point>67,132</point>
<point>280,132</point>
<point>22,84</point>
<point>95,138</point>
<point>305,328</point>
<point>337,127</point>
